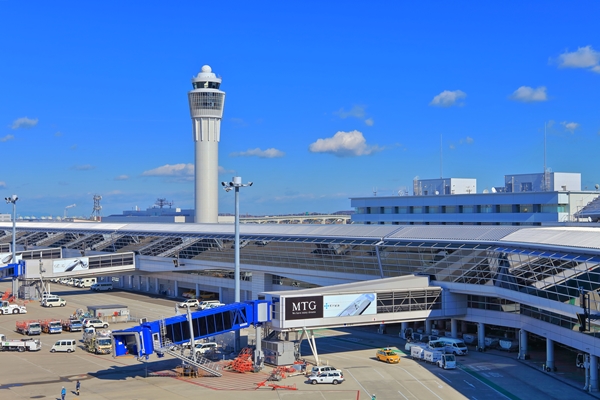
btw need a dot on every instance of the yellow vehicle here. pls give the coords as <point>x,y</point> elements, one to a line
<point>388,355</point>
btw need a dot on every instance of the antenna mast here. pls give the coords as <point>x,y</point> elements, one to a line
<point>441,159</point>
<point>97,207</point>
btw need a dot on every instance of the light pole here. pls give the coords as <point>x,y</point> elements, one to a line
<point>13,199</point>
<point>236,184</point>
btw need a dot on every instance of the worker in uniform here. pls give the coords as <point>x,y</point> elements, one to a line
<point>63,393</point>
<point>77,387</point>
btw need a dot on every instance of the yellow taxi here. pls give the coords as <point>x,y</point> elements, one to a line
<point>388,355</point>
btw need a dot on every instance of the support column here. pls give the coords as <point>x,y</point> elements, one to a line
<point>454,327</point>
<point>549,355</point>
<point>258,353</point>
<point>175,288</point>
<point>593,373</point>
<point>156,287</point>
<point>403,328</point>
<point>197,290</point>
<point>428,327</point>
<point>147,284</point>
<point>463,327</point>
<point>523,344</point>
<point>481,336</point>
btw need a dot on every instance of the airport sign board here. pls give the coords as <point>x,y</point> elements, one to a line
<point>306,307</point>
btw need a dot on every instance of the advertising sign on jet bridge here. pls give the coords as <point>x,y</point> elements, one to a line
<point>6,258</point>
<point>70,264</point>
<point>348,305</point>
<point>303,307</point>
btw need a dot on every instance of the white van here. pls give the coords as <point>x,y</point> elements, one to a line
<point>86,282</point>
<point>54,302</point>
<point>454,346</point>
<point>207,304</point>
<point>98,286</point>
<point>48,296</point>
<point>67,345</point>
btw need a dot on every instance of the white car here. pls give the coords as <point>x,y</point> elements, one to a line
<point>189,303</point>
<point>333,377</point>
<point>94,323</point>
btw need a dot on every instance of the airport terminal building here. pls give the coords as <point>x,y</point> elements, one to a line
<point>526,279</point>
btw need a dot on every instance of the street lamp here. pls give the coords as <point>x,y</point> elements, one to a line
<point>13,199</point>
<point>236,184</point>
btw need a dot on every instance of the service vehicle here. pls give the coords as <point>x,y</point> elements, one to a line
<point>213,305</point>
<point>21,345</point>
<point>51,325</point>
<point>94,322</point>
<point>455,346</point>
<point>189,303</point>
<point>388,355</point>
<point>31,327</point>
<point>67,345</point>
<point>100,342</point>
<point>54,302</point>
<point>447,361</point>
<point>432,356</point>
<point>71,325</point>
<point>416,352</point>
<point>86,282</point>
<point>8,308</point>
<point>206,303</point>
<point>102,286</point>
<point>437,345</point>
<point>48,296</point>
<point>204,348</point>
<point>333,377</point>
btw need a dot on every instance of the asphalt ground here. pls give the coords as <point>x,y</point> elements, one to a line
<point>480,376</point>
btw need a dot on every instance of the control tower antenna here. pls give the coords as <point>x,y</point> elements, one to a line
<point>163,202</point>
<point>97,207</point>
<point>206,110</point>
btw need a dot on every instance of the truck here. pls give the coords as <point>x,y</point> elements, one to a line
<point>31,327</point>
<point>72,325</point>
<point>8,308</point>
<point>51,326</point>
<point>447,361</point>
<point>20,345</point>
<point>100,342</point>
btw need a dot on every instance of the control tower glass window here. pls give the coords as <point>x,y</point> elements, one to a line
<point>206,100</point>
<point>206,85</point>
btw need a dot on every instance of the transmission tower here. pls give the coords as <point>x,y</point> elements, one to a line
<point>97,207</point>
<point>163,202</point>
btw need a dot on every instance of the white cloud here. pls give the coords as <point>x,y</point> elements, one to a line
<point>122,178</point>
<point>448,98</point>
<point>222,171</point>
<point>467,140</point>
<point>528,94</point>
<point>2,184</point>
<point>344,144</point>
<point>584,57</point>
<point>7,138</point>
<point>356,112</point>
<point>171,170</point>
<point>58,134</point>
<point>570,126</point>
<point>268,153</point>
<point>84,167</point>
<point>369,122</point>
<point>24,123</point>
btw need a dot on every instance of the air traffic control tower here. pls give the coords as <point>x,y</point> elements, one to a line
<point>206,110</point>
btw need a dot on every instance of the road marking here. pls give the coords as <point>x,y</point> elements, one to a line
<point>422,384</point>
<point>443,377</point>
<point>402,395</point>
<point>468,383</point>
<point>440,386</point>
<point>356,380</point>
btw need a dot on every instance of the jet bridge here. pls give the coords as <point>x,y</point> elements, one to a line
<point>166,336</point>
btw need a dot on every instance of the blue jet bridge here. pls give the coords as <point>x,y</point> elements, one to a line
<point>11,271</point>
<point>167,336</point>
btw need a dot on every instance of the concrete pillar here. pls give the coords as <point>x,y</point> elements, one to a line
<point>454,327</point>
<point>549,354</point>
<point>428,327</point>
<point>175,288</point>
<point>523,344</point>
<point>147,284</point>
<point>197,290</point>
<point>156,287</point>
<point>593,373</point>
<point>403,328</point>
<point>481,335</point>
<point>463,326</point>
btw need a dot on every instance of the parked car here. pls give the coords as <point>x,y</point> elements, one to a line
<point>388,355</point>
<point>94,323</point>
<point>189,303</point>
<point>204,348</point>
<point>333,377</point>
<point>54,302</point>
<point>316,370</point>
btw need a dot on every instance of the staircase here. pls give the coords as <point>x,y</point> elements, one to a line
<point>201,362</point>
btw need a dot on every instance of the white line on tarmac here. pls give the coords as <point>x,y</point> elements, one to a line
<point>422,384</point>
<point>356,380</point>
<point>469,383</point>
<point>443,377</point>
<point>402,395</point>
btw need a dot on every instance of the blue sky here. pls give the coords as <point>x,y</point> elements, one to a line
<point>325,100</point>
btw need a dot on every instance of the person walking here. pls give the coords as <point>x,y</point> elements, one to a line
<point>63,393</point>
<point>77,387</point>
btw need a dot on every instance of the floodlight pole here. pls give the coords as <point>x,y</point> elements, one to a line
<point>13,199</point>
<point>236,184</point>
